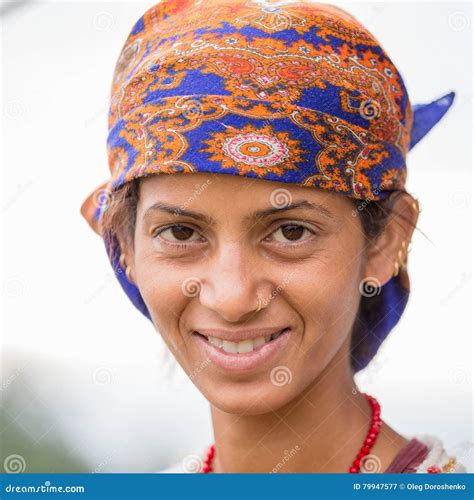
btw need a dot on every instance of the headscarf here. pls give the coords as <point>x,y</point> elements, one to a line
<point>292,92</point>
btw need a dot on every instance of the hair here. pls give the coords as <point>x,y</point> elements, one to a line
<point>119,217</point>
<point>118,228</point>
<point>374,217</point>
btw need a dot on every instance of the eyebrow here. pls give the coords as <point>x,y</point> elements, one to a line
<point>259,214</point>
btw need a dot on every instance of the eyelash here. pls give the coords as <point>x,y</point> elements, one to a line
<point>187,245</point>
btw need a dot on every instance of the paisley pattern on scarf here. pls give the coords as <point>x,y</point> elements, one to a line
<point>282,143</point>
<point>282,71</point>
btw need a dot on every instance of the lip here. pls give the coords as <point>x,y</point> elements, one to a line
<point>238,335</point>
<point>246,361</point>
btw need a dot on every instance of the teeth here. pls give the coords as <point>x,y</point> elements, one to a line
<point>214,340</point>
<point>243,346</point>
<point>258,342</point>
<point>231,347</point>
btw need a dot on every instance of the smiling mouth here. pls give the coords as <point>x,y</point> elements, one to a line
<point>242,346</point>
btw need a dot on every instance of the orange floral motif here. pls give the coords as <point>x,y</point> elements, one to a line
<point>338,156</point>
<point>118,159</point>
<point>393,179</point>
<point>328,26</point>
<point>256,74</point>
<point>348,155</point>
<point>313,66</point>
<point>259,67</point>
<point>272,20</point>
<point>260,150</point>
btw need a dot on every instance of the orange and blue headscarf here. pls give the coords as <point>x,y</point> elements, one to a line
<point>294,92</point>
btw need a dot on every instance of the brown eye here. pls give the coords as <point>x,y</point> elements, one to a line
<point>290,232</point>
<point>178,233</point>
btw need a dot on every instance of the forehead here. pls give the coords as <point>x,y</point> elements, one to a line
<point>231,192</point>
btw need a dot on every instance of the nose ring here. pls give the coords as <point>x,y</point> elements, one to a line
<point>259,306</point>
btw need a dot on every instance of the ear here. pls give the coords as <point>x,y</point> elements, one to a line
<point>126,256</point>
<point>388,251</point>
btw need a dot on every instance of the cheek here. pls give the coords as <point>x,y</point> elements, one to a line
<point>330,292</point>
<point>322,292</point>
<point>163,292</point>
<point>326,295</point>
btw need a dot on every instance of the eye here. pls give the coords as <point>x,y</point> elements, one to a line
<point>291,233</point>
<point>176,234</point>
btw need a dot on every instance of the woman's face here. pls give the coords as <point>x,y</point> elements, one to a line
<point>207,246</point>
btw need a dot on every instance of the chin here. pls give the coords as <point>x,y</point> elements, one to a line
<point>249,397</point>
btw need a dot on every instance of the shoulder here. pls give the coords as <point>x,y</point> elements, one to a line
<point>439,459</point>
<point>191,463</point>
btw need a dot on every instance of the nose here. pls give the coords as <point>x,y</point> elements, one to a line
<point>233,282</point>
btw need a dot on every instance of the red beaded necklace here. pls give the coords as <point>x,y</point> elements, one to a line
<point>369,441</point>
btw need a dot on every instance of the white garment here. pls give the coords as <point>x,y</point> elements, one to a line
<point>437,455</point>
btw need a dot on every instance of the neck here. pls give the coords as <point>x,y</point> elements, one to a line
<point>321,430</point>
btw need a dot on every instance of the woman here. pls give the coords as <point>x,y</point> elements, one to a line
<point>273,283</point>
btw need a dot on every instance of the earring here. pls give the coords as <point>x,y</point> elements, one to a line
<point>416,206</point>
<point>128,269</point>
<point>401,262</point>
<point>397,268</point>
<point>122,260</point>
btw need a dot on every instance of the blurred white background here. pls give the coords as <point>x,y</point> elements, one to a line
<point>87,384</point>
